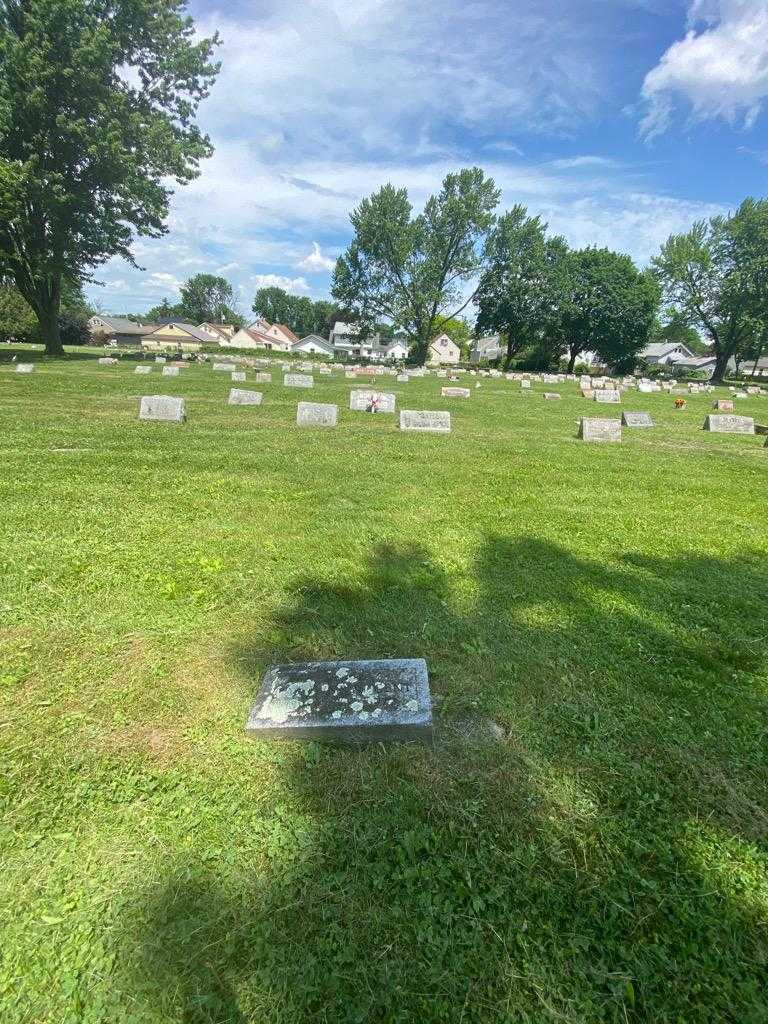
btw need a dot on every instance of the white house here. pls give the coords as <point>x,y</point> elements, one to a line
<point>314,345</point>
<point>443,350</point>
<point>396,349</point>
<point>662,353</point>
<point>217,331</point>
<point>489,347</point>
<point>247,337</point>
<point>345,339</point>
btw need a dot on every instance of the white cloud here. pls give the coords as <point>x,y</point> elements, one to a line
<point>720,67</point>
<point>161,281</point>
<point>315,262</point>
<point>295,285</point>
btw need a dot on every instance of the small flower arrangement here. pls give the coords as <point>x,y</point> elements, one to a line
<point>680,403</point>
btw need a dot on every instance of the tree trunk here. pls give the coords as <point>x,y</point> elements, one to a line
<point>49,328</point>
<point>421,350</point>
<point>572,361</point>
<point>721,366</point>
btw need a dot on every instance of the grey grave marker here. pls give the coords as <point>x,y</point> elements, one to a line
<point>238,376</point>
<point>636,419</point>
<point>608,395</point>
<point>594,429</point>
<point>371,401</point>
<point>298,380</point>
<point>455,392</point>
<point>316,414</point>
<point>237,396</point>
<point>344,702</point>
<point>162,407</point>
<point>729,424</point>
<point>170,371</point>
<point>143,369</point>
<point>425,421</point>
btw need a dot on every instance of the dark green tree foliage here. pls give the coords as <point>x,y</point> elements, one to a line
<point>607,306</point>
<point>673,329</point>
<point>19,323</point>
<point>301,314</point>
<point>206,297</point>
<point>716,277</point>
<point>97,107</point>
<point>413,271</point>
<point>516,294</point>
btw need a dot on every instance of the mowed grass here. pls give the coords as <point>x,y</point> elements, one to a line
<point>606,605</point>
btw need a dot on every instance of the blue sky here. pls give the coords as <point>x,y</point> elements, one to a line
<point>619,121</point>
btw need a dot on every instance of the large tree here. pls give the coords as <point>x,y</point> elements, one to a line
<point>516,295</point>
<point>97,107</point>
<point>716,277</point>
<point>415,271</point>
<point>207,297</point>
<point>606,306</point>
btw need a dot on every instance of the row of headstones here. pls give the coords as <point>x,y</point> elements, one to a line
<point>168,409</point>
<point>594,429</point>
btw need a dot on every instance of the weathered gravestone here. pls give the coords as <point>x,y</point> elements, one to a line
<point>425,421</point>
<point>143,369</point>
<point>371,401</point>
<point>587,393</point>
<point>315,414</point>
<point>344,702</point>
<point>237,396</point>
<point>159,359</point>
<point>455,392</point>
<point>224,367</point>
<point>723,405</point>
<point>238,376</point>
<point>552,396</point>
<point>402,378</point>
<point>608,395</point>
<point>170,371</point>
<point>729,424</point>
<point>107,361</point>
<point>593,429</point>
<point>526,384</point>
<point>162,407</point>
<point>298,380</point>
<point>25,367</point>
<point>263,378</point>
<point>636,419</point>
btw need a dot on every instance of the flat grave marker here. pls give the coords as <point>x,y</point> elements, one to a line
<point>455,392</point>
<point>263,378</point>
<point>224,367</point>
<point>143,369</point>
<point>25,367</point>
<point>552,396</point>
<point>344,702</point>
<point>170,371</point>
<point>107,361</point>
<point>608,396</point>
<point>163,407</point>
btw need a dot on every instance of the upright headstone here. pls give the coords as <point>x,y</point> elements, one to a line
<point>298,380</point>
<point>723,405</point>
<point>160,359</point>
<point>237,396</point>
<point>344,702</point>
<point>525,384</point>
<point>238,376</point>
<point>594,429</point>
<point>455,392</point>
<point>263,378</point>
<point>608,396</point>
<point>162,407</point>
<point>587,393</point>
<point>25,367</point>
<point>636,419</point>
<point>170,371</point>
<point>729,424</point>
<point>143,369</point>
<point>425,421</point>
<point>316,414</point>
<point>371,401</point>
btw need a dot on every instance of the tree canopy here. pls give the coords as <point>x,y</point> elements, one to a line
<point>208,297</point>
<point>716,278</point>
<point>298,312</point>
<point>414,271</point>
<point>97,108</point>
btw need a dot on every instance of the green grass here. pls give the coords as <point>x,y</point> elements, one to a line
<point>607,605</point>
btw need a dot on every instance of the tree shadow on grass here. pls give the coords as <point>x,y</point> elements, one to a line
<point>602,863</point>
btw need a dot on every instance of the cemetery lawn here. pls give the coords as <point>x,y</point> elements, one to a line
<point>605,605</point>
